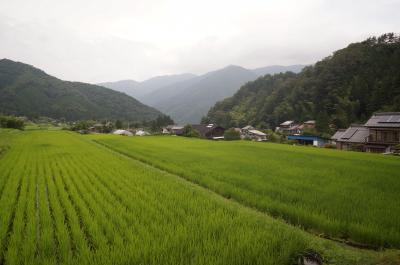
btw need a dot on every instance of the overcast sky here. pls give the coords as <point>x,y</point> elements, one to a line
<point>108,40</point>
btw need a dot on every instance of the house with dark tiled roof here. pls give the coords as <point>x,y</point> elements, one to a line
<point>384,132</point>
<point>337,135</point>
<point>353,138</point>
<point>209,131</point>
<point>173,129</point>
<point>380,134</point>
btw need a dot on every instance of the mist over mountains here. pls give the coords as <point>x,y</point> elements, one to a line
<point>187,97</point>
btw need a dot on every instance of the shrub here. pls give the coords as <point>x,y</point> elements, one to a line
<point>330,146</point>
<point>231,134</point>
<point>188,131</point>
<point>12,122</point>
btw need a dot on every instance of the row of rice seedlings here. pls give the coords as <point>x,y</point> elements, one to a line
<point>133,215</point>
<point>9,201</point>
<point>47,247</point>
<point>80,245</point>
<point>125,183</point>
<point>62,227</point>
<point>93,233</point>
<point>29,248</point>
<point>126,221</point>
<point>16,234</point>
<point>106,232</point>
<point>13,158</point>
<point>107,208</point>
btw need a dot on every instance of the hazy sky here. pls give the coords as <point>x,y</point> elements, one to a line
<point>107,40</point>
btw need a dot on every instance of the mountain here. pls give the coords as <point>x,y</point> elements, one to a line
<point>186,97</point>
<point>188,101</point>
<point>28,91</point>
<point>139,89</point>
<point>276,69</point>
<point>124,86</point>
<point>343,88</point>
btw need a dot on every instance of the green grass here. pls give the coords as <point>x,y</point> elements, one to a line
<point>347,195</point>
<point>67,200</point>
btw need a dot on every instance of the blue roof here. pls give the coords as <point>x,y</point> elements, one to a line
<point>304,137</point>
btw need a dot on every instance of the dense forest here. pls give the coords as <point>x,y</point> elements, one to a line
<point>341,89</point>
<point>28,91</point>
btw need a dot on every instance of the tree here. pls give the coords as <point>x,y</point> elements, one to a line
<point>118,124</point>
<point>159,122</point>
<point>231,134</point>
<point>188,131</point>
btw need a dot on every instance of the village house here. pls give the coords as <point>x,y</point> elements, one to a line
<point>101,128</point>
<point>337,136</point>
<point>308,140</point>
<point>307,125</point>
<point>249,132</point>
<point>141,132</point>
<point>380,134</point>
<point>173,129</point>
<point>353,138</point>
<point>123,132</point>
<point>384,132</point>
<point>209,131</point>
<point>288,127</point>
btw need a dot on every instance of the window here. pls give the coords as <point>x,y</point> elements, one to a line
<point>396,137</point>
<point>385,136</point>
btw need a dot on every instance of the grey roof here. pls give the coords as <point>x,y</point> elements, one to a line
<point>286,123</point>
<point>203,129</point>
<point>354,134</point>
<point>384,119</point>
<point>257,132</point>
<point>248,127</point>
<point>310,122</point>
<point>338,134</point>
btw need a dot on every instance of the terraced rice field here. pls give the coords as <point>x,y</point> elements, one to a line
<point>65,199</point>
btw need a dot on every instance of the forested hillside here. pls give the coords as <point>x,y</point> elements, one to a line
<point>28,91</point>
<point>344,88</point>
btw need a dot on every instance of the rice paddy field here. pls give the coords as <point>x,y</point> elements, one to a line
<point>72,199</point>
<point>346,195</point>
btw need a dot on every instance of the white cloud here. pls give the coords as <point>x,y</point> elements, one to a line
<point>100,40</point>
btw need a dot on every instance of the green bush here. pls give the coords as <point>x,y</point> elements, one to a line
<point>12,122</point>
<point>231,134</point>
<point>188,131</point>
<point>330,146</point>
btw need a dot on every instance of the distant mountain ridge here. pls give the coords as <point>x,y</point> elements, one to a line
<point>138,89</point>
<point>124,86</point>
<point>187,98</point>
<point>28,91</point>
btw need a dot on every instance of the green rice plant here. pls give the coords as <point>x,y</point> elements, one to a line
<point>68,200</point>
<point>344,195</point>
